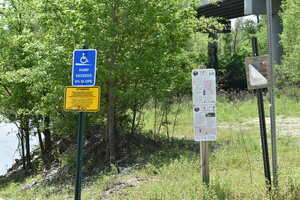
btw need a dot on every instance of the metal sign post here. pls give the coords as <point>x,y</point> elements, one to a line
<point>204,101</point>
<point>264,139</point>
<point>82,99</point>
<point>80,143</point>
<point>272,91</point>
<point>257,79</point>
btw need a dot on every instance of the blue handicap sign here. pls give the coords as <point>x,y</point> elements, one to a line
<point>84,67</point>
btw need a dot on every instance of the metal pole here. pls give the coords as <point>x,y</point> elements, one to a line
<point>264,139</point>
<point>262,125</point>
<point>204,161</point>
<point>80,142</point>
<point>254,46</point>
<point>272,92</point>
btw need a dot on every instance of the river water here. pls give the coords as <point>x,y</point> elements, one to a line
<point>9,146</point>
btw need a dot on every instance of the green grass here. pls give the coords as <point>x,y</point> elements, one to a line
<point>228,111</point>
<point>173,172</point>
<point>236,172</point>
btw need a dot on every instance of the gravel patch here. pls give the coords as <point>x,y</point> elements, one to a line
<point>289,126</point>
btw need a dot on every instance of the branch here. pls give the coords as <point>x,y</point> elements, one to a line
<point>6,89</point>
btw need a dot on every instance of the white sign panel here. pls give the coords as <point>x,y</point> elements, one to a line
<point>205,122</point>
<point>204,86</point>
<point>205,115</point>
<point>256,78</point>
<point>199,118</point>
<point>204,100</point>
<point>203,134</point>
<point>257,72</point>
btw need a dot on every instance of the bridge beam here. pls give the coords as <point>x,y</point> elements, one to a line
<point>230,9</point>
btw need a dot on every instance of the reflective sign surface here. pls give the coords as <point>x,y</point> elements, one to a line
<point>82,99</point>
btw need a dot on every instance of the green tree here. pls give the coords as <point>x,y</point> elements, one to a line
<point>146,50</point>
<point>16,68</point>
<point>142,54</point>
<point>289,72</point>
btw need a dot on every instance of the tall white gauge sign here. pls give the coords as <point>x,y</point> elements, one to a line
<point>204,101</point>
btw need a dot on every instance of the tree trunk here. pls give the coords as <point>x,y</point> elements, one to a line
<point>155,115</point>
<point>111,94</point>
<point>47,143</point>
<point>111,123</point>
<point>27,143</point>
<point>21,138</point>
<point>39,134</point>
<point>167,123</point>
<point>41,143</point>
<point>235,40</point>
<point>175,117</point>
<point>134,110</point>
<point>213,52</point>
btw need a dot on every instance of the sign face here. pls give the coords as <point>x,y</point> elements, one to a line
<point>204,86</point>
<point>205,114</point>
<point>84,67</point>
<point>205,122</point>
<point>204,100</point>
<point>257,72</point>
<point>82,99</point>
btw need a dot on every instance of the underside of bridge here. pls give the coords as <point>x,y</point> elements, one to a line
<point>227,9</point>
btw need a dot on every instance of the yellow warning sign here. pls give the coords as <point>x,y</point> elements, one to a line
<point>82,99</point>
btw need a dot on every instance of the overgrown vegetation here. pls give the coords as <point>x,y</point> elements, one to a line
<point>142,136</point>
<point>290,37</point>
<point>170,168</point>
<point>143,54</point>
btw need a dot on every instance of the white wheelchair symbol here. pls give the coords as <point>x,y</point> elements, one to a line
<point>84,59</point>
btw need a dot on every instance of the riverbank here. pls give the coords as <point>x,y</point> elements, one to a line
<point>9,146</point>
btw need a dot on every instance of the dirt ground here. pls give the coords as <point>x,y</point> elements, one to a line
<point>289,126</point>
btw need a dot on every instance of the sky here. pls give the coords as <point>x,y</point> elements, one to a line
<point>252,17</point>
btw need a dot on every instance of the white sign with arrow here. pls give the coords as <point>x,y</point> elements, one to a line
<point>257,72</point>
<point>256,78</point>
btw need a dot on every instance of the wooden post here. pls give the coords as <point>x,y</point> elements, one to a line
<point>204,149</point>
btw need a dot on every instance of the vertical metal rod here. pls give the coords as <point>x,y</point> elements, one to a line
<point>205,162</point>
<point>254,46</point>
<point>264,139</point>
<point>80,142</point>
<point>262,123</point>
<point>272,92</point>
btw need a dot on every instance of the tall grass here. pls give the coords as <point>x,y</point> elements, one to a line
<point>173,172</point>
<point>229,111</point>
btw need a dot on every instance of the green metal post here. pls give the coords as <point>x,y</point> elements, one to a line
<point>80,142</point>
<point>262,125</point>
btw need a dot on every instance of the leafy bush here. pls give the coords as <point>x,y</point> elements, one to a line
<point>289,72</point>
